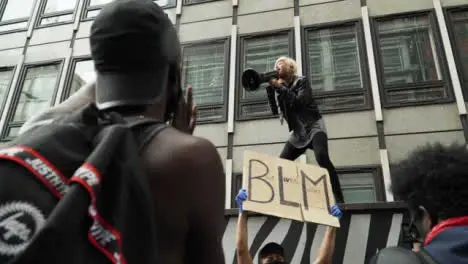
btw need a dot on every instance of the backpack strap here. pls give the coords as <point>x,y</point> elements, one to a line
<point>425,257</point>
<point>144,129</point>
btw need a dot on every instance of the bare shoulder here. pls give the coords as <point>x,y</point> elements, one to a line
<point>186,173</point>
<point>172,148</point>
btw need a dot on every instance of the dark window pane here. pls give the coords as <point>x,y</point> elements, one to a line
<point>255,110</point>
<point>261,55</point>
<point>334,62</point>
<point>416,95</point>
<point>408,51</point>
<point>210,113</point>
<point>53,6</point>
<point>358,187</point>
<point>5,81</point>
<point>36,91</point>
<point>84,73</point>
<point>204,68</point>
<point>328,103</point>
<point>460,27</point>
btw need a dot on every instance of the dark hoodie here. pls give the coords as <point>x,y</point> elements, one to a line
<point>450,246</point>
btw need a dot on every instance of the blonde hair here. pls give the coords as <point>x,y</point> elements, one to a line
<point>290,62</point>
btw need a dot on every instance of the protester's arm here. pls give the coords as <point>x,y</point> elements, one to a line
<point>207,203</point>
<point>271,100</point>
<point>242,244</point>
<point>325,255</point>
<point>299,98</point>
<point>327,248</point>
<point>243,253</point>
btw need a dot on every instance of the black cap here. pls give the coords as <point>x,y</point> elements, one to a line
<point>132,42</point>
<point>271,248</point>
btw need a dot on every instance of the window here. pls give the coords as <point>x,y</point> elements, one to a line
<point>35,94</point>
<point>235,187</point>
<point>6,74</point>
<point>166,3</point>
<point>409,61</point>
<point>83,73</point>
<point>56,11</point>
<point>260,54</point>
<point>334,67</point>
<point>93,7</point>
<point>188,2</point>
<point>459,21</point>
<point>204,67</point>
<point>361,185</point>
<point>14,14</point>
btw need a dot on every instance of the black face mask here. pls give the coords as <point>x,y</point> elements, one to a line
<point>275,262</point>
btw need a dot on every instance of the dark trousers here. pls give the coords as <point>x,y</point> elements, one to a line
<point>319,145</point>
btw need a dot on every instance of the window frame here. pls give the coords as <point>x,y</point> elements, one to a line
<point>8,90</point>
<point>86,8</point>
<point>441,58</point>
<point>188,2</point>
<point>3,5</point>
<point>377,176</point>
<point>9,124</point>
<point>240,56</point>
<point>41,15</point>
<point>448,12</point>
<point>224,106</point>
<point>364,66</point>
<point>69,75</point>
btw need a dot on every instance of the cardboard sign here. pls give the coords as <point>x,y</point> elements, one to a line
<point>287,189</point>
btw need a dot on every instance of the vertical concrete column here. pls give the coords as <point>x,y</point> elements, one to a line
<point>384,160</point>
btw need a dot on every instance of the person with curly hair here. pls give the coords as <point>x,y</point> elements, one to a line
<point>433,181</point>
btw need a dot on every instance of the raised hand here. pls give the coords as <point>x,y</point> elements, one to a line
<point>336,211</point>
<point>240,198</point>
<point>185,117</point>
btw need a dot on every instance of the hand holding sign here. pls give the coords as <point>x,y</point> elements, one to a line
<point>287,189</point>
<point>336,211</point>
<point>240,198</point>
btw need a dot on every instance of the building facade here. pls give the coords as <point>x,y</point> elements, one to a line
<point>389,75</point>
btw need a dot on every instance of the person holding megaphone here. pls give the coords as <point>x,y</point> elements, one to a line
<point>298,107</point>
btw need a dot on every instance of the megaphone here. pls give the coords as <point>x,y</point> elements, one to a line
<point>251,80</point>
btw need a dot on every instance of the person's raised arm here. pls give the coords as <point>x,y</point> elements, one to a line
<point>325,255</point>
<point>298,97</point>
<point>242,244</point>
<point>206,218</point>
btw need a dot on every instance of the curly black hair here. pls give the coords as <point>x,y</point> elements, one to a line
<point>436,177</point>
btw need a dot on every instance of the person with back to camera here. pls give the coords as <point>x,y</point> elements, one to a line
<point>298,107</point>
<point>137,57</point>
<point>433,181</point>
<point>273,253</point>
<point>136,53</point>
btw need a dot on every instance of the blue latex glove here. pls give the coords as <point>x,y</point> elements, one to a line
<point>336,211</point>
<point>240,198</point>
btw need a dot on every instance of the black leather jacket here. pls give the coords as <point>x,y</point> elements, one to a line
<point>296,103</point>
